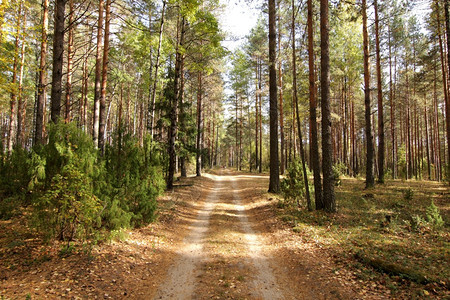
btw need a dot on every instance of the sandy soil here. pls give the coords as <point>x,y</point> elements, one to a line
<point>218,237</point>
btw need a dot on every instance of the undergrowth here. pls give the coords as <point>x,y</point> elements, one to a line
<point>401,230</point>
<point>70,191</point>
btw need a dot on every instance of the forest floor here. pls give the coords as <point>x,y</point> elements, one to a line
<point>222,236</point>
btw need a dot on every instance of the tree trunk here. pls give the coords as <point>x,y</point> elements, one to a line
<point>280,84</point>
<point>327,164</point>
<point>102,119</point>
<point>21,104</point>
<point>295,98</point>
<point>58,56</point>
<point>256,118</point>
<point>42,95</point>
<point>274,182</point>
<point>155,79</point>
<point>447,102</point>
<point>174,104</point>
<point>315,161</point>
<point>98,75</point>
<point>381,146</point>
<point>69,63</point>
<point>369,139</point>
<point>13,102</point>
<point>198,158</point>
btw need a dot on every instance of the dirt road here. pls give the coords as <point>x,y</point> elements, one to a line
<point>217,237</point>
<point>230,252</point>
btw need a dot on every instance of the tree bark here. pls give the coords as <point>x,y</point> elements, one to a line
<point>274,181</point>
<point>102,119</point>
<point>381,145</point>
<point>42,84</point>
<point>280,84</point>
<point>174,106</point>
<point>21,104</point>
<point>58,56</point>
<point>329,199</point>
<point>155,79</point>
<point>370,181</point>
<point>315,161</point>
<point>13,102</point>
<point>198,157</point>
<point>295,98</point>
<point>98,75</point>
<point>447,103</point>
<point>69,63</point>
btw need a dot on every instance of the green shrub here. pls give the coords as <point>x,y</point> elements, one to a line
<point>62,174</point>
<point>14,175</point>
<point>408,194</point>
<point>433,216</point>
<point>339,170</point>
<point>136,181</point>
<point>293,186</point>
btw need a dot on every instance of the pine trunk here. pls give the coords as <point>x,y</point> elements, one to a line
<point>381,146</point>
<point>329,199</point>
<point>102,119</point>
<point>58,56</point>
<point>274,181</point>
<point>98,75</point>
<point>314,153</point>
<point>369,139</point>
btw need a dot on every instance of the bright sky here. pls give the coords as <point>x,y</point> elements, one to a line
<point>237,20</point>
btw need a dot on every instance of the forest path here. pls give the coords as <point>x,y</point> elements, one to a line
<point>231,252</point>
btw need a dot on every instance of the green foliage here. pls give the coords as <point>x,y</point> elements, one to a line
<point>65,206</point>
<point>408,194</point>
<point>339,170</point>
<point>76,192</point>
<point>136,180</point>
<point>433,216</point>
<point>68,209</point>
<point>293,186</point>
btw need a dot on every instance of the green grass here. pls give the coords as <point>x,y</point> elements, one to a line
<point>376,229</point>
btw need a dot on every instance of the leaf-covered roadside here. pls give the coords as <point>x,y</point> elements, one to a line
<point>387,235</point>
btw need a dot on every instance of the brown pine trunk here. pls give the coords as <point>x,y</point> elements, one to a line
<point>98,75</point>
<point>274,179</point>
<point>392,109</point>
<point>102,118</point>
<point>42,83</point>
<point>58,56</point>
<point>314,153</point>
<point>69,63</point>
<point>198,160</point>
<point>447,103</point>
<point>280,84</point>
<point>295,99</point>
<point>329,199</point>
<point>256,118</point>
<point>155,79</point>
<point>370,181</point>
<point>381,146</point>
<point>13,102</point>
<point>21,104</point>
<point>260,117</point>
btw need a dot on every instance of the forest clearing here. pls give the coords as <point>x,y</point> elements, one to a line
<point>198,149</point>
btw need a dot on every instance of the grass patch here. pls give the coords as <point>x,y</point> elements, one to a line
<point>399,228</point>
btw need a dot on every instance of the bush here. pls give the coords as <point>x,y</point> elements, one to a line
<point>293,186</point>
<point>63,174</point>
<point>433,216</point>
<point>408,194</point>
<point>136,180</point>
<point>339,170</point>
<point>68,209</point>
